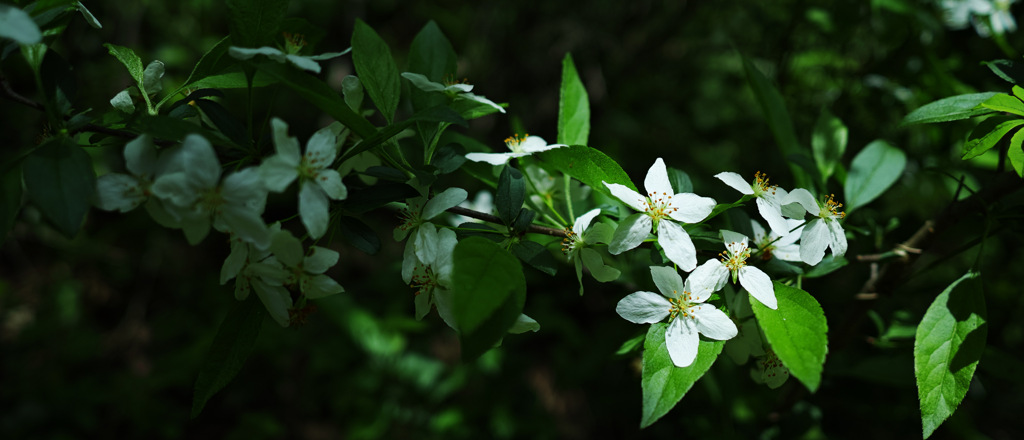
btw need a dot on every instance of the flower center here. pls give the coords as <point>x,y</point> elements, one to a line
<point>734,261</point>
<point>293,43</point>
<point>571,243</point>
<point>761,185</point>
<point>831,208</point>
<point>659,206</point>
<point>449,80</point>
<point>423,279</point>
<point>410,218</point>
<point>682,305</point>
<point>210,201</point>
<point>515,142</point>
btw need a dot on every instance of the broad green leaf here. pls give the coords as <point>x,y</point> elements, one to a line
<point>663,383</point>
<point>376,69</point>
<point>828,142</point>
<point>10,199</point>
<point>774,110</point>
<point>17,25</point>
<point>587,165</point>
<point>1016,154</point>
<point>947,347</point>
<point>988,134</point>
<point>431,55</point>
<point>60,181</point>
<point>1002,102</point>
<point>829,264</point>
<point>536,255</point>
<point>953,108</point>
<point>209,65</point>
<point>573,106</point>
<point>232,79</point>
<point>321,95</point>
<point>130,60</point>
<point>511,194</point>
<point>254,22</point>
<point>235,339</point>
<point>359,234</point>
<point>680,181</point>
<point>796,331</point>
<point>488,293</point>
<point>872,172</point>
<point>600,271</point>
<point>433,114</point>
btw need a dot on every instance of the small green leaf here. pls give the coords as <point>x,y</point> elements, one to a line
<point>828,142</point>
<point>988,134</point>
<point>947,347</point>
<point>587,165</point>
<point>536,255</point>
<point>953,108</point>
<point>130,60</point>
<point>872,171</point>
<point>433,114</point>
<point>60,181</point>
<point>376,69</point>
<point>254,22</point>
<point>601,272</point>
<point>662,382</point>
<point>680,181</point>
<point>796,331</point>
<point>10,199</point>
<point>488,293</point>
<point>235,339</point>
<point>431,55</point>
<point>829,264</point>
<point>774,110</point>
<point>1007,70</point>
<point>1016,154</point>
<point>573,106</point>
<point>511,194</point>
<point>1002,102</point>
<point>17,25</point>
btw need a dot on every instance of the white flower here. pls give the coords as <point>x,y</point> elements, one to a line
<point>987,16</point>
<point>683,304</point>
<point>482,202</point>
<point>293,44</point>
<point>734,261</point>
<point>659,211</point>
<point>317,181</point>
<point>575,243</point>
<point>768,196</point>
<point>519,147</point>
<point>416,225</point>
<point>433,279</point>
<point>771,245</point>
<point>125,192</point>
<point>823,231</point>
<point>454,90</point>
<point>306,271</point>
<point>196,196</point>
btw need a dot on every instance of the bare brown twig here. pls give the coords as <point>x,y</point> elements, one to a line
<point>494,219</point>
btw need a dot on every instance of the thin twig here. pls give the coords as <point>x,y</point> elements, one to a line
<point>494,219</point>
<point>9,93</point>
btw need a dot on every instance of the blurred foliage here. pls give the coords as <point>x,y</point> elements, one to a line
<point>102,336</point>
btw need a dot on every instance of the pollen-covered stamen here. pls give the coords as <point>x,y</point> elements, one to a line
<point>449,80</point>
<point>514,142</point>
<point>735,256</point>
<point>831,208</point>
<point>761,185</point>
<point>293,43</point>
<point>570,242</point>
<point>423,280</point>
<point>659,206</point>
<point>410,217</point>
<point>682,305</point>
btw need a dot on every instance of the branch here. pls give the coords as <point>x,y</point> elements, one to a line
<point>494,219</point>
<point>9,93</point>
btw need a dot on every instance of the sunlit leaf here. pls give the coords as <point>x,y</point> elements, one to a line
<point>796,331</point>
<point>953,108</point>
<point>873,171</point>
<point>573,107</point>
<point>663,383</point>
<point>587,165</point>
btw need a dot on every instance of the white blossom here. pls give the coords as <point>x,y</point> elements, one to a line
<point>823,231</point>
<point>518,147</point>
<point>769,197</point>
<point>734,262</point>
<point>454,90</point>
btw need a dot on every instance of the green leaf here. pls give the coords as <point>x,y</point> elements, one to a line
<point>321,95</point>
<point>947,347</point>
<point>359,234</point>
<point>573,106</point>
<point>680,180</point>
<point>17,25</point>
<point>663,383</point>
<point>600,271</point>
<point>829,264</point>
<point>487,295</point>
<point>1016,154</point>
<point>130,60</point>
<point>1007,70</point>
<point>431,55</point>
<point>872,172</point>
<point>254,22</point>
<point>828,142</point>
<point>1002,102</point>
<point>587,165</point>
<point>777,116</point>
<point>60,181</point>
<point>10,199</point>
<point>536,255</point>
<point>796,331</point>
<point>953,108</point>
<point>988,134</point>
<point>376,69</point>
<point>511,194</point>
<point>235,339</point>
<point>433,114</point>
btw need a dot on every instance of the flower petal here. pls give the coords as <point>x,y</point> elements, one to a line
<point>643,307</point>
<point>320,148</point>
<point>482,100</point>
<point>805,199</point>
<point>320,286</point>
<point>668,281</point>
<point>690,208</point>
<point>714,323</point>
<point>813,242</point>
<point>735,181</point>
<point>632,231</point>
<point>244,53</point>
<point>734,241</point>
<point>681,340</point>
<point>442,264</point>
<point>677,245</point>
<point>759,285</point>
<point>426,241</point>
<point>140,157</point>
<point>494,158</point>
<point>304,63</point>
<point>319,260</point>
<point>448,198</point>
<point>330,181</point>
<point>278,172</point>
<point>286,248</point>
<point>771,212</point>
<point>657,181</point>
<point>583,221</point>
<point>235,261</point>
<point>706,279</point>
<point>118,191</point>
<point>287,146</point>
<point>837,237</point>
<point>631,198</point>
<point>246,224</point>
<point>276,299</point>
<point>313,208</point>
<point>423,302</point>
<point>200,161</point>
<point>409,261</point>
<point>421,82</point>
<point>760,235</point>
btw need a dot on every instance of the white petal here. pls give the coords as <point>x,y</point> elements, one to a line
<point>245,224</point>
<point>304,63</point>
<point>443,302</point>
<point>632,231</point>
<point>813,242</point>
<point>657,181</point>
<point>276,300</point>
<point>319,260</point>
<point>235,261</point>
<point>151,78</point>
<point>804,198</point>
<point>320,149</point>
<point>278,172</point>
<point>583,221</point>
<point>760,235</point>
<point>771,212</point>
<point>313,208</point>
<point>123,101</point>
<point>195,229</point>
<point>118,191</point>
<point>245,188</point>
<point>714,323</point>
<point>448,198</point>
<point>176,188</point>
<point>706,279</point>
<point>734,241</point>
<point>287,147</point>
<point>426,240</point>
<point>332,185</point>
<point>759,285</point>
<point>735,181</point>
<point>244,53</point>
<point>631,198</point>
<point>442,265</point>
<point>421,82</point>
<point>409,261</point>
<point>286,248</point>
<point>320,286</point>
<point>140,156</point>
<point>482,100</point>
<point>837,237</point>
<point>330,55</point>
<point>423,302</point>
<point>668,281</point>
<point>690,208</point>
<point>643,307</point>
<point>682,341</point>
<point>494,158</point>
<point>788,252</point>
<point>677,245</point>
